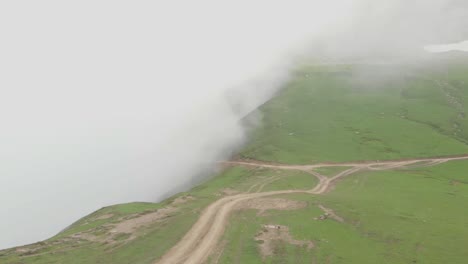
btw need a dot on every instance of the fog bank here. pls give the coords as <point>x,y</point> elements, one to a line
<point>106,102</point>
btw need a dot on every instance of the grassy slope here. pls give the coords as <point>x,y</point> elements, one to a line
<point>336,117</point>
<point>414,216</point>
<point>323,116</point>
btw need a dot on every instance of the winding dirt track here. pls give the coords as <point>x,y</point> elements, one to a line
<point>199,242</point>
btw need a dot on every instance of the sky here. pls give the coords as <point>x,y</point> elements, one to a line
<point>105,102</point>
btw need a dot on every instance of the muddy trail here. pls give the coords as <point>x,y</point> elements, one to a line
<point>200,241</point>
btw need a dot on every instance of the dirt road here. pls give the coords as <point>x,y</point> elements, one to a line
<point>199,242</point>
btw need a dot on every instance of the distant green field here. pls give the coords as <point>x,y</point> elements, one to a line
<point>363,114</point>
<point>326,113</point>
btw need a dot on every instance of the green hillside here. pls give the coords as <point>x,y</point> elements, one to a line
<point>330,116</point>
<point>338,116</point>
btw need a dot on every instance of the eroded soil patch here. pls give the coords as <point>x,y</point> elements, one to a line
<point>329,214</point>
<point>271,234</point>
<point>264,204</point>
<point>130,225</point>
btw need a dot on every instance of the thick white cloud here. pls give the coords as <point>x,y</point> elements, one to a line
<point>106,102</point>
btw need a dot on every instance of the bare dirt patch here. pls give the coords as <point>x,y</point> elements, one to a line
<point>455,183</point>
<point>329,214</point>
<point>183,199</point>
<point>90,237</point>
<point>264,204</point>
<point>228,191</point>
<point>127,227</point>
<point>103,217</point>
<point>274,233</point>
<point>130,225</point>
